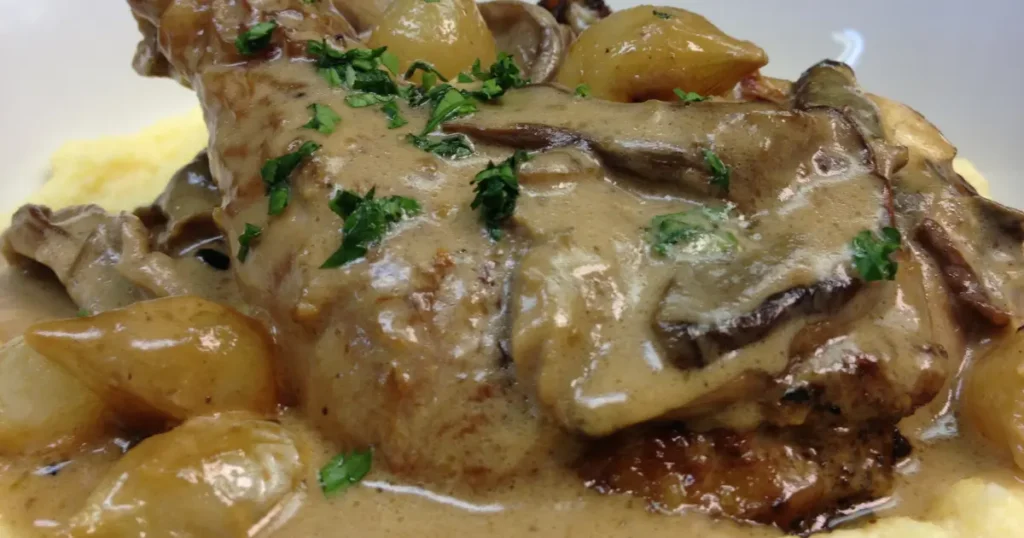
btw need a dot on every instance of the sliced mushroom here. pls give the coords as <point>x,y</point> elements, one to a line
<point>181,219</point>
<point>961,278</point>
<point>85,247</point>
<point>530,33</point>
<point>578,14</point>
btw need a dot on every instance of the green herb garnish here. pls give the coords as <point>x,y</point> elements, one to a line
<point>276,173</point>
<point>426,67</point>
<point>390,61</point>
<point>362,100</point>
<point>872,254</point>
<point>695,231</point>
<point>452,105</point>
<point>465,78</point>
<point>83,313</point>
<point>246,240</point>
<point>367,219</point>
<point>324,118</point>
<point>448,147</point>
<point>497,189</point>
<point>583,90</point>
<point>395,119</point>
<point>720,173</point>
<point>503,75</point>
<point>358,69</point>
<point>662,15</point>
<point>344,471</point>
<point>689,97</point>
<point>256,38</point>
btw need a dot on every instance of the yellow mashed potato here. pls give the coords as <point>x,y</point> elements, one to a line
<point>121,173</point>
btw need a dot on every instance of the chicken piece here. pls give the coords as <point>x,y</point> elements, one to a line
<point>398,350</point>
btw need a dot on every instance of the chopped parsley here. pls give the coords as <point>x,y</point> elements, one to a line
<point>695,231</point>
<point>367,219</point>
<point>256,38</point>
<point>689,97</point>
<point>465,78</point>
<point>390,61</point>
<point>246,240</point>
<point>324,119</point>
<point>362,100</point>
<point>395,119</point>
<point>276,173</point>
<point>83,313</point>
<point>503,75</point>
<point>872,254</point>
<point>214,258</point>
<point>431,1</point>
<point>426,67</point>
<point>662,15</point>
<point>448,147</point>
<point>720,173</point>
<point>497,189</point>
<point>357,69</point>
<point>344,471</point>
<point>583,90</point>
<point>454,104</point>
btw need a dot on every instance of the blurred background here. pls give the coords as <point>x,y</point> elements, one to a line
<point>67,70</point>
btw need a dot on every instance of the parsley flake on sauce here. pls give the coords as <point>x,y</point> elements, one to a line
<point>395,119</point>
<point>872,254</point>
<point>362,100</point>
<point>324,119</point>
<point>497,190</point>
<point>367,220</point>
<point>256,38</point>
<point>689,97</point>
<point>720,173</point>
<point>246,240</point>
<point>344,471</point>
<point>662,15</point>
<point>447,147</point>
<point>389,61</point>
<point>504,75</point>
<point>356,69</point>
<point>453,105</point>
<point>426,67</point>
<point>276,174</point>
<point>696,231</point>
<point>583,90</point>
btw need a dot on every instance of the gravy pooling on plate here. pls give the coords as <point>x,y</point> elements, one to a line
<point>609,277</point>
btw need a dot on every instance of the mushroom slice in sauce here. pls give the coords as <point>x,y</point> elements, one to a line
<point>578,14</point>
<point>531,34</point>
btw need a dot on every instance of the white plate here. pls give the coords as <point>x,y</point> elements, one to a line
<point>67,70</point>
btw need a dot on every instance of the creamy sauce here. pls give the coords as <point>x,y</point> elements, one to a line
<point>474,368</point>
<point>42,492</point>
